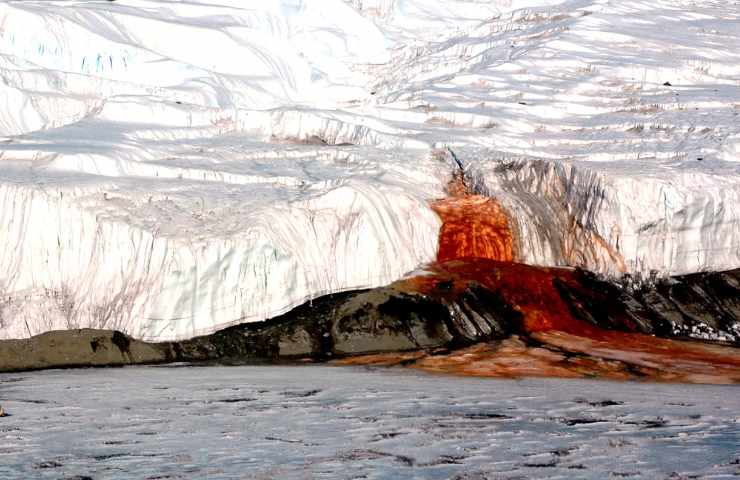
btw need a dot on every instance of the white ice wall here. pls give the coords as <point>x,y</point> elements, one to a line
<point>67,266</point>
<point>614,221</point>
<point>170,168</point>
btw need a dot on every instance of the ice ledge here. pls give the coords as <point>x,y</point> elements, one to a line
<point>617,218</point>
<point>68,265</point>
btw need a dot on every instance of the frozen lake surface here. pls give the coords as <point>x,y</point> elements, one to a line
<point>332,422</point>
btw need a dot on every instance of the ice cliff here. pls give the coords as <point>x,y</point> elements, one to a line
<point>171,168</point>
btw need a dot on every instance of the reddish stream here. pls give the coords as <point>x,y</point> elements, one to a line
<point>476,244</point>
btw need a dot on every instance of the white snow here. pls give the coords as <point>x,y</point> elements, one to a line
<point>170,168</point>
<point>300,422</point>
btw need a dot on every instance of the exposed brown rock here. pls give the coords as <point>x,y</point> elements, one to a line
<point>79,348</point>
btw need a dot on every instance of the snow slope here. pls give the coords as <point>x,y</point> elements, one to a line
<point>170,168</point>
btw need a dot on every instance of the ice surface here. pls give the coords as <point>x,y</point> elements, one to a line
<point>331,422</point>
<point>171,168</point>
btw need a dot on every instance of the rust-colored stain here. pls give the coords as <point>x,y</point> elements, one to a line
<point>558,354</point>
<point>483,235</point>
<point>654,358</point>
<point>473,226</point>
<point>476,245</point>
<point>529,289</point>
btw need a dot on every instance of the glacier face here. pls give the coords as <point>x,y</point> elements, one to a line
<point>614,220</point>
<point>174,259</point>
<point>170,168</point>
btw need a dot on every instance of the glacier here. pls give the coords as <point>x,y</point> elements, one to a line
<point>170,168</point>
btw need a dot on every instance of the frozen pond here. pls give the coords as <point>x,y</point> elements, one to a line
<point>332,422</point>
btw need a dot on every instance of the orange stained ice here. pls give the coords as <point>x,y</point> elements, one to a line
<point>476,245</point>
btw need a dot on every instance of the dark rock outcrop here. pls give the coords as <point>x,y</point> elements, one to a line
<point>702,306</point>
<point>448,312</point>
<point>79,348</point>
<point>379,320</point>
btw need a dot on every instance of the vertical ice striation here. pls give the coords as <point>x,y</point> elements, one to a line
<point>68,264</point>
<point>616,221</point>
<point>170,168</point>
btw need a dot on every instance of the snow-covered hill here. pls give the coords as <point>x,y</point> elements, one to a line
<point>169,168</point>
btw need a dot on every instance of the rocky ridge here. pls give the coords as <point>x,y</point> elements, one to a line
<point>435,314</point>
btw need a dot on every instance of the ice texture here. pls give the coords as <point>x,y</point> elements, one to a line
<point>171,168</point>
<point>330,422</point>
